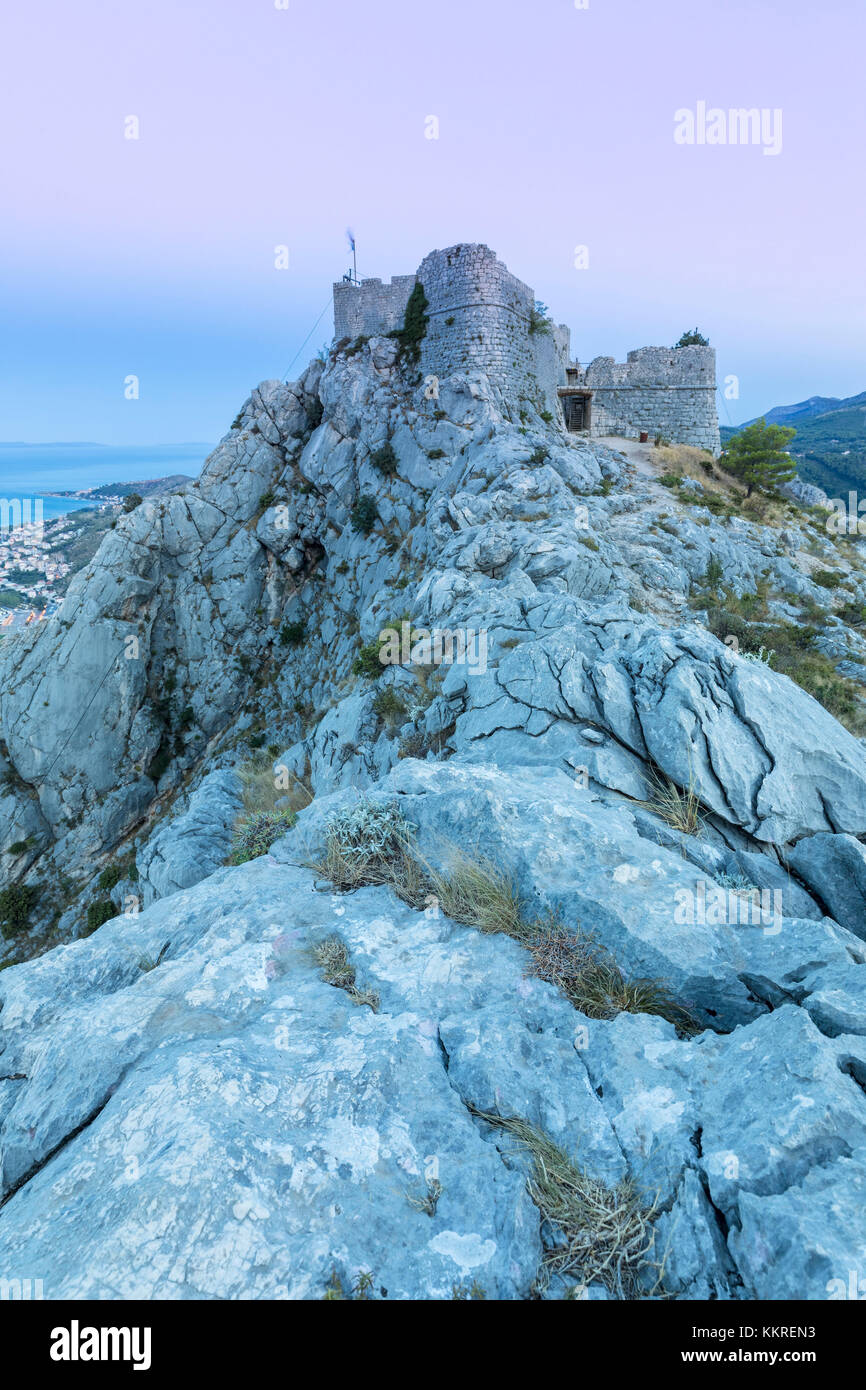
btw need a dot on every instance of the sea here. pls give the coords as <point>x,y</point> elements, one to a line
<point>31,471</point>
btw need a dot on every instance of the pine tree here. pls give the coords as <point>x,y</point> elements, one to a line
<point>692,338</point>
<point>757,456</point>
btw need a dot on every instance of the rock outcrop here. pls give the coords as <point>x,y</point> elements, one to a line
<point>188,1108</point>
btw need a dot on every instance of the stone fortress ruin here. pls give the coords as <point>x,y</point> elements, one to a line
<point>482,318</point>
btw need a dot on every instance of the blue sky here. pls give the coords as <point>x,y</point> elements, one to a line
<point>262,126</point>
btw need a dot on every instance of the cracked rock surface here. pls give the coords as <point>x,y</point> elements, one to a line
<point>188,1109</point>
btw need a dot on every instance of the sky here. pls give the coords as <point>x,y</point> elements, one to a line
<point>279,123</point>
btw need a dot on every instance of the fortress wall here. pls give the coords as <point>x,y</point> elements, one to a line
<point>668,391</point>
<point>479,321</point>
<point>372,308</point>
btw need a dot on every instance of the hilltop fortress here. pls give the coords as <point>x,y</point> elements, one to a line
<point>482,318</point>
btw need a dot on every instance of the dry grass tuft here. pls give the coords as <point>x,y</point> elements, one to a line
<point>606,1233</point>
<point>477,892</point>
<point>592,981</point>
<point>261,790</point>
<point>679,807</point>
<point>428,1200</point>
<point>681,458</point>
<point>333,961</point>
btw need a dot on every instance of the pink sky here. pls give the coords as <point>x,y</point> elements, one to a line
<point>261,126</point>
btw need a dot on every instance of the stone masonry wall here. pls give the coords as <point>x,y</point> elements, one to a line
<point>371,308</point>
<point>479,320</point>
<point>668,391</point>
<point>479,317</point>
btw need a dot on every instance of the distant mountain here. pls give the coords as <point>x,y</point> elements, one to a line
<point>830,443</point>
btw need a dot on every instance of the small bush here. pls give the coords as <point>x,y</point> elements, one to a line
<point>371,843</point>
<point>415,321</point>
<point>828,579</point>
<point>17,901</point>
<point>110,877</point>
<point>384,460</point>
<point>713,574</point>
<point>389,706</point>
<point>692,338</point>
<point>255,835</point>
<point>131,501</point>
<point>364,515</point>
<point>292,634</point>
<point>367,661</point>
<point>20,846</point>
<point>539,319</point>
<point>267,500</point>
<point>99,912</point>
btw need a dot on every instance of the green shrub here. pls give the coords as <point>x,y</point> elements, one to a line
<point>364,514</point>
<point>539,319</point>
<point>671,480</point>
<point>266,500</point>
<point>20,846</point>
<point>110,877</point>
<point>131,501</point>
<point>17,901</point>
<point>99,912</point>
<point>255,835</point>
<point>292,634</point>
<point>692,338</point>
<point>367,661</point>
<point>384,460</point>
<point>415,321</point>
<point>389,706</point>
<point>713,573</point>
<point>828,579</point>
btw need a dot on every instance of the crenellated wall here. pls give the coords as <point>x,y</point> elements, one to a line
<point>371,308</point>
<point>479,320</point>
<point>667,391</point>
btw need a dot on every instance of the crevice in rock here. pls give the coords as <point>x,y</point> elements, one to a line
<point>67,1139</point>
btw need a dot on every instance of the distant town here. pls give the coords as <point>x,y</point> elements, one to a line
<point>38,559</point>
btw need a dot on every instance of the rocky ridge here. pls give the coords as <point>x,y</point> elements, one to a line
<point>187,1109</point>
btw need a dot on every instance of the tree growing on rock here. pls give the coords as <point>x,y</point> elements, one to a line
<point>758,457</point>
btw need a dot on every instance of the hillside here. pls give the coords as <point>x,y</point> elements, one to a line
<point>370,978</point>
<point>830,443</point>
